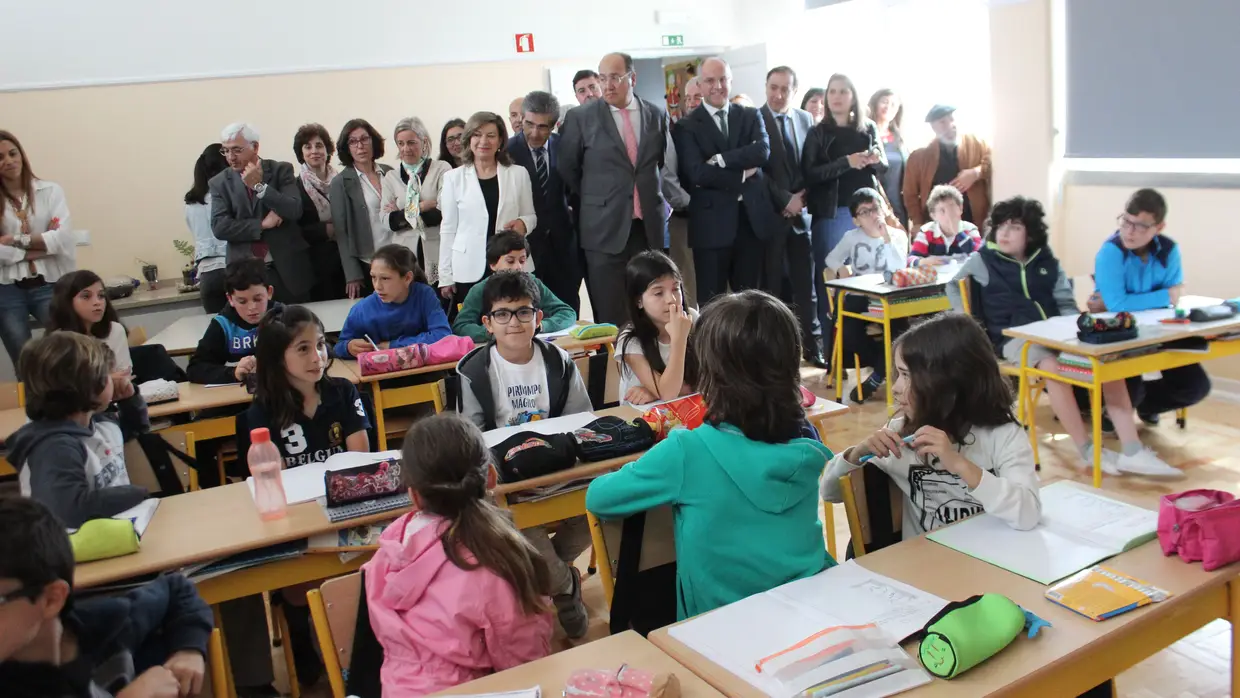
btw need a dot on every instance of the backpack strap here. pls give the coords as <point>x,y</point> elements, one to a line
<point>158,453</point>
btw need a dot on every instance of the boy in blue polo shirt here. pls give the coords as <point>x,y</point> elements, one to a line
<point>1138,268</point>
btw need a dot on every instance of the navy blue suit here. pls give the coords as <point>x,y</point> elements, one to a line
<point>729,219</point>
<point>553,242</point>
<point>789,262</point>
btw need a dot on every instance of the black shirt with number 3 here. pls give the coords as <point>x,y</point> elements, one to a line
<point>311,439</point>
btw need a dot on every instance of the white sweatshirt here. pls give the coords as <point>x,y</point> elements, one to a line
<point>933,497</point>
<point>868,255</point>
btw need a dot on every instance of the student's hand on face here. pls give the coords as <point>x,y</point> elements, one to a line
<point>122,387</point>
<point>156,682</point>
<point>447,291</point>
<point>638,395</point>
<point>881,444</point>
<point>357,347</point>
<point>245,366</point>
<point>353,290</point>
<point>1095,304</point>
<point>930,441</point>
<point>252,175</point>
<point>679,324</point>
<point>189,667</point>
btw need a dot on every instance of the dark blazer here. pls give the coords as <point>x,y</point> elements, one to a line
<point>822,174</point>
<point>713,191</point>
<point>351,218</point>
<point>595,165</point>
<point>237,219</point>
<point>783,176</point>
<point>553,239</point>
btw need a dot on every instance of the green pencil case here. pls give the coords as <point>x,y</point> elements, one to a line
<point>967,633</point>
<point>100,539</point>
<point>593,331</point>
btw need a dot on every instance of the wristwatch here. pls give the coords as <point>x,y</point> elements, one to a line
<point>260,188</point>
<point>22,241</point>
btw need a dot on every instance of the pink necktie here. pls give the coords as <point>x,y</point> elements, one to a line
<point>630,145</point>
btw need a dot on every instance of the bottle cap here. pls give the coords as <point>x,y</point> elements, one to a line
<point>260,435</point>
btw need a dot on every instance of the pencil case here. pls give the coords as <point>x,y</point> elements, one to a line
<point>100,539</point>
<point>915,276</point>
<point>362,482</point>
<point>1200,525</point>
<point>626,682</point>
<point>967,633</point>
<point>593,331</point>
<point>446,350</point>
<point>1095,330</point>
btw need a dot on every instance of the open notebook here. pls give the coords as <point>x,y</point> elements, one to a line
<point>738,635</point>
<point>1079,527</point>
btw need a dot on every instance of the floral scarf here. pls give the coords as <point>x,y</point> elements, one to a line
<point>317,189</point>
<point>413,194</point>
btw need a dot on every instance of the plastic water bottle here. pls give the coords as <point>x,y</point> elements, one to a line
<point>265,464</point>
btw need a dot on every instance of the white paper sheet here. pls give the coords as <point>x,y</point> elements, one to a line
<point>1079,528</point>
<point>738,635</point>
<point>140,514</point>
<point>558,425</point>
<point>305,482</point>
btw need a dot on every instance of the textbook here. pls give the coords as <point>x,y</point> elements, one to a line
<point>1079,527</point>
<point>1101,592</point>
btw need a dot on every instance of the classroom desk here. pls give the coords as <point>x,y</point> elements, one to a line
<point>552,672</point>
<point>181,337</point>
<point>1059,334</point>
<point>890,297</point>
<point>1067,659</point>
<point>194,397</point>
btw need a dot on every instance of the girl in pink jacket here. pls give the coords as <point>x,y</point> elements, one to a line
<point>455,591</point>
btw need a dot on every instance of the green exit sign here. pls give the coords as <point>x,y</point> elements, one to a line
<point>673,39</point>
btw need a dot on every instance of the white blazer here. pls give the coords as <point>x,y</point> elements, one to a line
<point>463,233</point>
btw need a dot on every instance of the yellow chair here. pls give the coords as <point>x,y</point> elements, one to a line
<point>137,336</point>
<point>388,398</point>
<point>333,606</point>
<point>658,545</point>
<point>837,352</point>
<point>862,529</point>
<point>217,665</point>
<point>21,394</point>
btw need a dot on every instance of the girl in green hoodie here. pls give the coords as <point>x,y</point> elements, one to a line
<point>742,486</point>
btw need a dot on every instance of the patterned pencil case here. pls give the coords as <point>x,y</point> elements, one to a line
<point>915,276</point>
<point>362,483</point>
<point>392,360</point>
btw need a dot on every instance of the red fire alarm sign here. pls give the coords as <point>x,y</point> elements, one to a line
<point>525,43</point>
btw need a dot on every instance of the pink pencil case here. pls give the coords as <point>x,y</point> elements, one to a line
<point>446,350</point>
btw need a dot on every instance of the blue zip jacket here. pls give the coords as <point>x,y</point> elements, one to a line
<point>419,320</point>
<point>1126,282</point>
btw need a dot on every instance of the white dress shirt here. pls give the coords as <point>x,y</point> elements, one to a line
<point>49,203</point>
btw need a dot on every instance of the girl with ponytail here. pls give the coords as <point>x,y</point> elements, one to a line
<point>455,591</point>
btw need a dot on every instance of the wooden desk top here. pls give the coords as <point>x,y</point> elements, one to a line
<point>195,397</point>
<point>954,576</point>
<point>551,673</point>
<point>1059,333</point>
<point>210,524</point>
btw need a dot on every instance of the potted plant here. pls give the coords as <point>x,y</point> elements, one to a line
<point>186,248</point>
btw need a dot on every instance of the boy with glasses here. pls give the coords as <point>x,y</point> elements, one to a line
<point>1139,268</point>
<point>508,251</point>
<point>149,642</point>
<point>518,378</point>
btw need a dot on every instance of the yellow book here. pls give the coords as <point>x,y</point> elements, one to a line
<point>1100,592</point>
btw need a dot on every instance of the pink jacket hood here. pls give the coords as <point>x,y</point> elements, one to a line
<point>441,625</point>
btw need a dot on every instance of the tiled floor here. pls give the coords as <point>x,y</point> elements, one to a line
<point>1195,667</point>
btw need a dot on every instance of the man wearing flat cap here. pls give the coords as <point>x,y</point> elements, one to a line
<point>962,161</point>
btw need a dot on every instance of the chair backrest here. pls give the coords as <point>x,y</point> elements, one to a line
<point>340,602</point>
<point>137,336</point>
<point>875,508</point>
<point>141,470</point>
<point>658,545</point>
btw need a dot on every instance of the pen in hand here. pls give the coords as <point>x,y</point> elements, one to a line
<point>372,342</point>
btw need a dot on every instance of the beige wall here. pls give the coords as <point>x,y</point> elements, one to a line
<point>125,154</point>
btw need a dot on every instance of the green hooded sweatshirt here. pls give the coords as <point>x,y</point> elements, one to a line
<point>746,512</point>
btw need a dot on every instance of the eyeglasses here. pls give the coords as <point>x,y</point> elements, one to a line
<point>1127,224</point>
<point>867,211</point>
<point>358,142</point>
<point>456,139</point>
<point>504,316</point>
<point>235,150</point>
<point>614,79</point>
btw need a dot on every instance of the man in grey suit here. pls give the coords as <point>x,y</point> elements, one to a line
<point>611,154</point>
<point>255,206</point>
<point>788,249</point>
